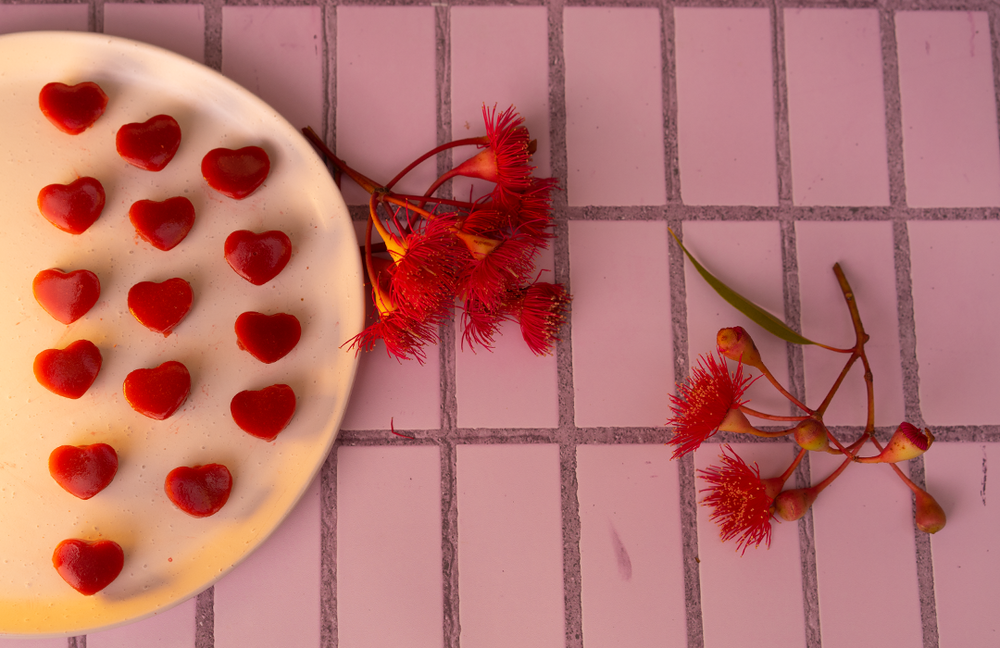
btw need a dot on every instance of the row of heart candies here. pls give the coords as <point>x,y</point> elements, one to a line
<point>89,566</point>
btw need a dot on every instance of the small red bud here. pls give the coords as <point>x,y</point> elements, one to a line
<point>811,435</point>
<point>790,505</point>
<point>907,442</point>
<point>736,344</point>
<point>929,515</point>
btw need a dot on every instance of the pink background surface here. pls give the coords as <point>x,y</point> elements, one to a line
<point>537,505</point>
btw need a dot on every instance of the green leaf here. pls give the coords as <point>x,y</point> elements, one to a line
<point>758,315</point>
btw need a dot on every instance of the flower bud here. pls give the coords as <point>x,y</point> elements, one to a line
<point>811,435</point>
<point>930,517</point>
<point>907,442</point>
<point>790,505</point>
<point>736,344</point>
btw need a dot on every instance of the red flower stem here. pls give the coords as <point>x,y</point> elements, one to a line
<point>461,204</point>
<point>818,488</point>
<point>770,417</point>
<point>836,385</point>
<point>365,183</point>
<point>767,374</point>
<point>369,263</point>
<point>785,476</point>
<point>469,141</point>
<point>770,435</point>
<point>403,202</point>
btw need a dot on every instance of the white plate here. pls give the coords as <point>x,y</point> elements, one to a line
<point>169,556</point>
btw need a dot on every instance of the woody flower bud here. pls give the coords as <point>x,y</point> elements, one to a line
<point>790,505</point>
<point>907,442</point>
<point>736,344</point>
<point>811,435</point>
<point>929,516</point>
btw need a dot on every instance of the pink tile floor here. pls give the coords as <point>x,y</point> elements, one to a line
<point>537,505</point>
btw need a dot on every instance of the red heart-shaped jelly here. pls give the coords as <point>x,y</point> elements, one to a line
<point>73,207</point>
<point>149,145</point>
<point>88,567</point>
<point>72,109</point>
<point>258,258</point>
<point>160,306</point>
<point>268,338</point>
<point>84,470</point>
<point>265,412</point>
<point>66,296</point>
<point>158,392</point>
<point>236,173</point>
<point>71,371</point>
<point>199,490</point>
<point>163,224</point>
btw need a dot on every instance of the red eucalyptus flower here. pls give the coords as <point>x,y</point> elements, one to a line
<point>741,501</point>
<point>542,313</point>
<point>504,160</point>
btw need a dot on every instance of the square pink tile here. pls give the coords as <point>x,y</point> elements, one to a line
<point>386,103</point>
<point>747,258</point>
<point>836,107</point>
<point>631,562</point>
<point>865,253</point>
<point>277,53</point>
<point>36,17</point>
<point>285,612</point>
<point>950,147</point>
<point>774,574</point>
<point>179,28</point>
<point>725,106</point>
<point>966,564</point>
<point>623,355</point>
<point>614,146</point>
<point>174,628</point>
<point>510,570</point>
<point>389,588</point>
<point>955,272</point>
<point>865,557</point>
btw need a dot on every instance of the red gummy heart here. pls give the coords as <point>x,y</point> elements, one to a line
<point>84,470</point>
<point>267,337</point>
<point>72,109</point>
<point>199,490</point>
<point>88,567</point>
<point>71,371</point>
<point>149,145</point>
<point>236,173</point>
<point>163,224</point>
<point>258,258</point>
<point>160,306</point>
<point>264,413</point>
<point>159,392</point>
<point>66,296</point>
<point>73,207</point>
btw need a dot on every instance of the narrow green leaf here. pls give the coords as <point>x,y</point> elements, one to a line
<point>758,315</point>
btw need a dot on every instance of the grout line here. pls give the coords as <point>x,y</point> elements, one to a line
<point>783,148</point>
<point>671,162</point>
<point>893,113</point>
<point>204,616</point>
<point>329,622</point>
<point>572,559</point>
<point>213,34</point>
<point>449,545</point>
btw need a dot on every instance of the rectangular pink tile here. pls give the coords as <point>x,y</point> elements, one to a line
<point>174,628</point>
<point>277,53</point>
<point>622,341</point>
<point>615,147</point>
<point>488,69</point>
<point>41,17</point>
<point>948,104</point>
<point>630,547</point>
<point>386,101</point>
<point>176,27</point>
<point>865,253</point>
<point>272,598</point>
<point>389,392</point>
<point>966,564</point>
<point>773,573</point>
<point>6,642</point>
<point>836,107</point>
<point>955,273</point>
<point>747,258</point>
<point>725,106</point>
<point>389,587</point>
<point>865,557</point>
<point>510,571</point>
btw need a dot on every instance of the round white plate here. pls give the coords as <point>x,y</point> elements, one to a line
<point>169,555</point>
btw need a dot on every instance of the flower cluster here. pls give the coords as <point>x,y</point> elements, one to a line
<point>479,254</point>
<point>712,400</point>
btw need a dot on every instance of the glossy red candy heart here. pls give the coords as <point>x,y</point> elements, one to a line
<point>72,109</point>
<point>258,258</point>
<point>199,490</point>
<point>268,338</point>
<point>162,224</point>
<point>88,567</point>
<point>71,371</point>
<point>84,470</point>
<point>149,145</point>
<point>265,412</point>
<point>73,207</point>
<point>66,296</point>
<point>158,392</point>
<point>236,173</point>
<point>160,306</point>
